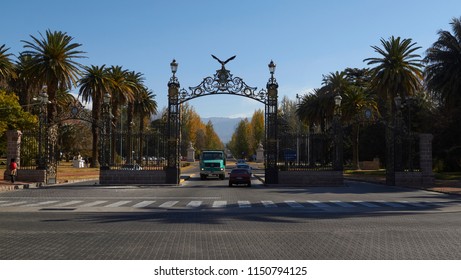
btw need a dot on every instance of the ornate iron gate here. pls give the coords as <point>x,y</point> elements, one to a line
<point>222,82</point>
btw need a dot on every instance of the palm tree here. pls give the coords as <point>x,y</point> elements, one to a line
<point>355,102</point>
<point>23,84</point>
<point>398,71</point>
<point>7,68</point>
<point>94,83</point>
<point>443,70</point>
<point>313,108</point>
<point>121,92</point>
<point>145,106</point>
<point>53,64</point>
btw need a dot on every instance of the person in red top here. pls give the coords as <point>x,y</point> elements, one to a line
<point>13,169</point>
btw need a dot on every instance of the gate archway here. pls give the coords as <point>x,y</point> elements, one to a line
<point>222,82</point>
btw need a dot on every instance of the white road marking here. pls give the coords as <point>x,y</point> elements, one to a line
<point>13,203</point>
<point>41,203</point>
<point>268,203</point>
<point>94,203</point>
<point>391,204</point>
<point>342,204</point>
<point>118,203</point>
<point>68,203</point>
<point>194,203</point>
<point>143,204</point>
<point>318,204</point>
<point>293,204</point>
<point>168,204</point>
<point>219,204</point>
<point>367,204</point>
<point>244,204</point>
<point>416,204</point>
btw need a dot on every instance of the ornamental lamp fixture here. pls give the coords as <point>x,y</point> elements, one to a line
<point>106,98</point>
<point>272,67</point>
<point>338,100</point>
<point>174,66</point>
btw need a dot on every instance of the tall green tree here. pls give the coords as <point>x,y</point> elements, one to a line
<point>53,64</point>
<point>398,70</point>
<point>7,68</point>
<point>94,83</point>
<point>121,92</point>
<point>212,141</point>
<point>257,129</point>
<point>443,79</point>
<point>443,69</point>
<point>240,141</point>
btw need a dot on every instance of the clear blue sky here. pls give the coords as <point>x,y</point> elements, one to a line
<point>306,39</point>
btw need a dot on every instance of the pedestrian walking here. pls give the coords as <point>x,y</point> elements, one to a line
<point>13,169</point>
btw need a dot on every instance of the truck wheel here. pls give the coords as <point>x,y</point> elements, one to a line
<point>221,176</point>
<point>202,177</point>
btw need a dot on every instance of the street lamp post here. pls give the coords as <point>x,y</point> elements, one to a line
<point>271,127</point>
<point>173,126</point>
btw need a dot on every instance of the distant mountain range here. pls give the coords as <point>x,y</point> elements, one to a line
<point>224,127</point>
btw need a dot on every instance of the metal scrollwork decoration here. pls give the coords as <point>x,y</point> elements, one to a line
<point>223,82</point>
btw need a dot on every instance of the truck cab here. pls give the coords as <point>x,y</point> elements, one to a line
<point>212,163</point>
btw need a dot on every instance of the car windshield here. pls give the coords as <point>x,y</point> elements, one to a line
<point>212,156</point>
<point>243,166</point>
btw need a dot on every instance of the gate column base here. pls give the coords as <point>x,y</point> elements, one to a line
<point>271,176</point>
<point>172,175</point>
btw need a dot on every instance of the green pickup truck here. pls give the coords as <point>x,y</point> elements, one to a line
<point>212,163</point>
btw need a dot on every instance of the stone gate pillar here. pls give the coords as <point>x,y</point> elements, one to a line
<point>425,158</point>
<point>13,149</point>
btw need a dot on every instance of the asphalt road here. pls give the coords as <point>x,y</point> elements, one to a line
<point>208,220</point>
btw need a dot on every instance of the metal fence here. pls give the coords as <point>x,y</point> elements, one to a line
<point>410,152</point>
<point>33,150</point>
<point>139,151</point>
<point>312,151</point>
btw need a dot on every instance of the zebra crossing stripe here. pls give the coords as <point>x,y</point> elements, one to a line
<point>219,203</point>
<point>342,204</point>
<point>268,203</point>
<point>168,204</point>
<point>194,203</point>
<point>244,204</point>
<point>41,203</point>
<point>416,204</point>
<point>3,201</point>
<point>143,204</point>
<point>13,203</point>
<point>94,203</point>
<point>318,204</point>
<point>293,204</point>
<point>118,203</point>
<point>367,204</point>
<point>391,204</point>
<point>68,203</point>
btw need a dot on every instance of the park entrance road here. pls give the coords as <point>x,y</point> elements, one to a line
<point>209,220</point>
